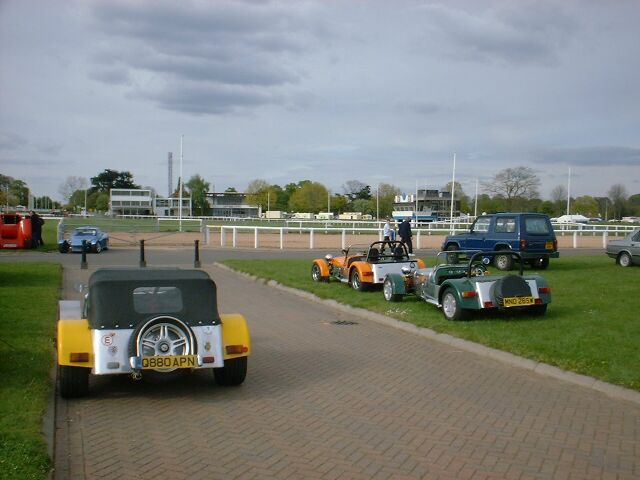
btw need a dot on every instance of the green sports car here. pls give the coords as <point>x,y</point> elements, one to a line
<point>460,283</point>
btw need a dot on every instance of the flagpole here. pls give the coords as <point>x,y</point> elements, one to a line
<point>181,182</point>
<point>569,192</point>
<point>453,189</point>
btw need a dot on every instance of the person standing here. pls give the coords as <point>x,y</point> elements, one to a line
<point>36,229</point>
<point>404,231</point>
<point>386,234</point>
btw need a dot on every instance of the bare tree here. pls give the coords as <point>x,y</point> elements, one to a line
<point>71,185</point>
<point>513,184</point>
<point>618,196</point>
<point>559,194</point>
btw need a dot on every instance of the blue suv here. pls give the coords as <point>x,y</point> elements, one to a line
<point>529,234</point>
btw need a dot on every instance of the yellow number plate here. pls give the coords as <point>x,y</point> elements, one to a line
<point>548,245</point>
<point>170,361</point>
<point>517,301</point>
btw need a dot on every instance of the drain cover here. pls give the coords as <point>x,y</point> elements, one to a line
<point>344,322</point>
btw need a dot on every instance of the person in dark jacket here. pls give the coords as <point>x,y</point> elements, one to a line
<point>36,229</point>
<point>404,231</point>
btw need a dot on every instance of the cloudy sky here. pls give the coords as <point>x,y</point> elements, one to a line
<point>330,91</point>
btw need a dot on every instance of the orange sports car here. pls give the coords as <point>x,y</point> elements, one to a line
<point>363,266</point>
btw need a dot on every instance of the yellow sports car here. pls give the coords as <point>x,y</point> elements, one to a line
<point>160,322</point>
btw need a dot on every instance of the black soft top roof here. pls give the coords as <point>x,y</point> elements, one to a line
<point>111,296</point>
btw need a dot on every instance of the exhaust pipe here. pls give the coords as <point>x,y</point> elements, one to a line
<point>136,375</point>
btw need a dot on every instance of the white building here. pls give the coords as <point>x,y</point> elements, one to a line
<point>140,201</point>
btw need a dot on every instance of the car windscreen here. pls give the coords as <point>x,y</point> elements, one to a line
<point>537,226</point>
<point>85,232</point>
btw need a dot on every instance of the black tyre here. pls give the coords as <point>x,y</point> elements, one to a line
<point>624,259</point>
<point>316,274</point>
<point>74,381</point>
<point>540,263</point>
<point>503,261</point>
<point>64,247</point>
<point>452,257</point>
<point>389,292</point>
<point>451,306</point>
<point>356,281</point>
<point>538,310</point>
<point>509,286</point>
<point>233,373</point>
<point>162,336</point>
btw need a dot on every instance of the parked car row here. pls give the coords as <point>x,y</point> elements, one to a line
<point>458,283</point>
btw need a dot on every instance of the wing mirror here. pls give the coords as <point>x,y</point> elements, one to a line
<point>405,270</point>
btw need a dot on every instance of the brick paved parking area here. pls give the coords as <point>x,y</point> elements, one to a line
<point>331,396</point>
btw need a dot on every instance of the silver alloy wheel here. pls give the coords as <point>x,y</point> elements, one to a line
<point>503,262</point>
<point>163,339</point>
<point>315,273</point>
<point>98,247</point>
<point>355,280</point>
<point>449,305</point>
<point>624,260</point>
<point>387,290</point>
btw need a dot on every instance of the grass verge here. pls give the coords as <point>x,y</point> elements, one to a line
<point>28,301</point>
<point>592,326</point>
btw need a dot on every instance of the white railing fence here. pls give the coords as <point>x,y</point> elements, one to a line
<point>576,231</point>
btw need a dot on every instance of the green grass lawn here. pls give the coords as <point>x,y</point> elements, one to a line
<point>28,304</point>
<point>592,326</point>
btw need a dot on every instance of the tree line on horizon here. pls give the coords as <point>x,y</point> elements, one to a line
<point>511,189</point>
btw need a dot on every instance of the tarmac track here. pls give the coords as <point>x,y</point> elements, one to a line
<point>330,395</point>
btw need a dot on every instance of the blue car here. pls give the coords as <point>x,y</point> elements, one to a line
<point>96,240</point>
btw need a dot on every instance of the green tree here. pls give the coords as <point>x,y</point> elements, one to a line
<point>634,204</point>
<point>198,189</point>
<point>259,192</point>
<point>585,205</point>
<point>338,203</point>
<point>109,179</point>
<point>102,202</point>
<point>618,196</point>
<point>386,198</point>
<point>464,204</point>
<point>514,185</point>
<point>310,197</point>
<point>366,207</point>
<point>355,189</point>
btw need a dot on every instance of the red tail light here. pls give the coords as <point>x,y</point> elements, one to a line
<point>468,294</point>
<point>544,290</point>
<point>235,349</point>
<point>79,357</point>
<point>555,245</point>
<point>488,305</point>
<point>523,244</point>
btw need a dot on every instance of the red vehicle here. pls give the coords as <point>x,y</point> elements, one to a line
<point>15,231</point>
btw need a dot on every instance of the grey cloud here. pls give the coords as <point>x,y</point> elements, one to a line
<point>205,47</point>
<point>49,148</point>
<point>208,99</point>
<point>601,156</point>
<point>519,35</point>
<point>11,141</point>
<point>112,75</point>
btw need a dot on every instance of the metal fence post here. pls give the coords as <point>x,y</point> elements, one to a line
<point>196,261</point>
<point>281,238</point>
<point>83,261</point>
<point>143,262</point>
<point>311,242</point>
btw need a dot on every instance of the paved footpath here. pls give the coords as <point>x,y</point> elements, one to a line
<point>333,396</point>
